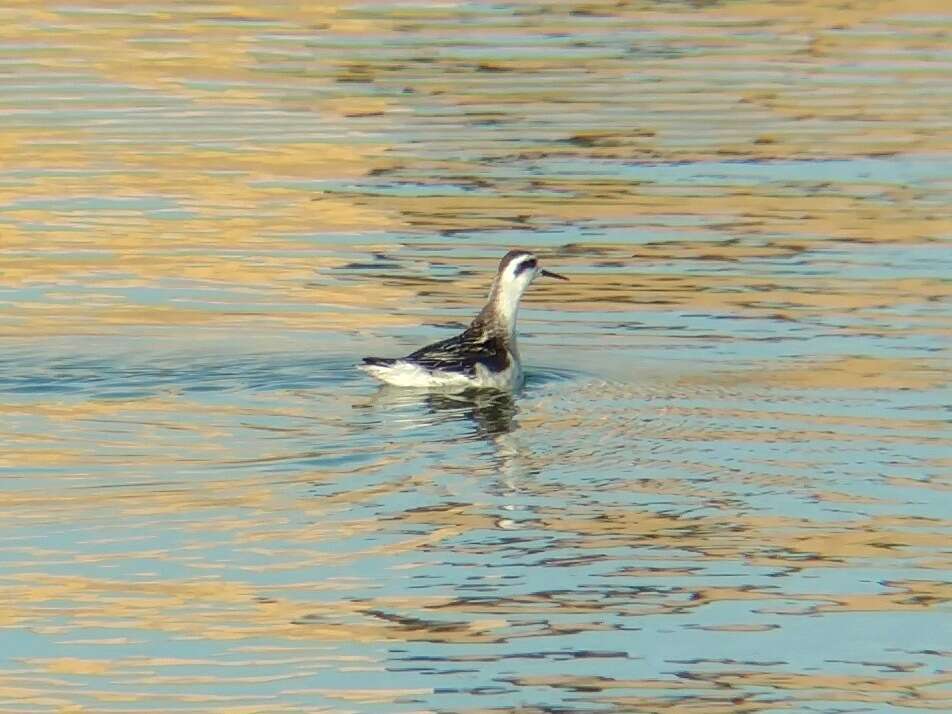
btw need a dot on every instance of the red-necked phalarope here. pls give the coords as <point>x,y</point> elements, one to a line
<point>485,354</point>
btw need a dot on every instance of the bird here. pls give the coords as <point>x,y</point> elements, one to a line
<point>485,354</point>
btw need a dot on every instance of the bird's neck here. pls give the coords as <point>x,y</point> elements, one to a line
<point>501,310</point>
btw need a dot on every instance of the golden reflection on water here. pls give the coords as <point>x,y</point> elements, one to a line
<point>739,444</point>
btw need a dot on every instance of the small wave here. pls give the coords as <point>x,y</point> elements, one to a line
<point>133,376</point>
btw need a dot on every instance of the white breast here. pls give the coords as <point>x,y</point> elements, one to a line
<point>507,379</point>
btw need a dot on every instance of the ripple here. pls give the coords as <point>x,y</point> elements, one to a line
<point>723,486</point>
<point>111,377</point>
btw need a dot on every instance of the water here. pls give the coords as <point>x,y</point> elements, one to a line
<point>724,485</point>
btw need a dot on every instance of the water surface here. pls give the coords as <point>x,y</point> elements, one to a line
<point>724,485</point>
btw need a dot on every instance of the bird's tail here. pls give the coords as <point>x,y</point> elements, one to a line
<point>379,361</point>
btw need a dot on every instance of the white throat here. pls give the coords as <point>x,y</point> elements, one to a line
<point>504,300</point>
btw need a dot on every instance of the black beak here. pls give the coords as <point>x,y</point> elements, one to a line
<point>550,274</point>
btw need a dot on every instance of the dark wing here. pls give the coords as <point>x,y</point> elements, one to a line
<point>463,352</point>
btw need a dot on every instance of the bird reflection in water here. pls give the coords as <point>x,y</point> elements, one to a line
<point>491,412</point>
<point>491,416</point>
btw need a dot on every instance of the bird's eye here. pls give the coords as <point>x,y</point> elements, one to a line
<point>525,265</point>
